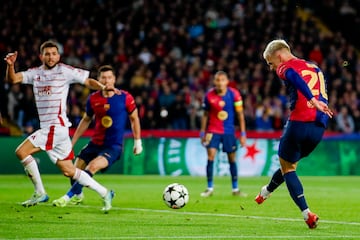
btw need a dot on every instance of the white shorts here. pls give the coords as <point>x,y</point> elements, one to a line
<point>55,141</point>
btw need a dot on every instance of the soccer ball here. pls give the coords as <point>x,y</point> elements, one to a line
<point>175,196</point>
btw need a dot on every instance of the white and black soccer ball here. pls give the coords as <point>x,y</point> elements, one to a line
<point>176,196</point>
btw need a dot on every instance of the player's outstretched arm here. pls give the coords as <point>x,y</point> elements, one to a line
<point>204,120</point>
<point>96,85</point>
<point>241,118</point>
<point>81,128</point>
<point>136,129</point>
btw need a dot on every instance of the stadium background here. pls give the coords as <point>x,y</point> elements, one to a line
<point>166,51</point>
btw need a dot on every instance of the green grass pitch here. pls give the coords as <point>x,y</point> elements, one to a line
<point>139,212</point>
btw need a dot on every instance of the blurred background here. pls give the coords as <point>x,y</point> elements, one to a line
<point>165,53</point>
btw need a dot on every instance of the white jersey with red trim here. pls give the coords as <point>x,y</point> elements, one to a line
<point>51,87</point>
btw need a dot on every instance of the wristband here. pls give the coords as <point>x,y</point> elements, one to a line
<point>243,134</point>
<point>202,134</point>
<point>137,142</point>
<point>137,147</point>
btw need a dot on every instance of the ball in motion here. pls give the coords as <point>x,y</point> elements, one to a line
<point>176,196</point>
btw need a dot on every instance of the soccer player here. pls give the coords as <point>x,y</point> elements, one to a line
<point>305,127</point>
<point>111,112</point>
<point>51,83</point>
<point>222,104</point>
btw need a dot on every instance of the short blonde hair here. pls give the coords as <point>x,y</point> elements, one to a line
<point>274,46</point>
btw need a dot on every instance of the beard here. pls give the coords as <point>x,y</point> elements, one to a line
<point>50,67</point>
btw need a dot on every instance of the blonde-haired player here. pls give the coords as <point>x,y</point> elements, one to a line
<point>306,125</point>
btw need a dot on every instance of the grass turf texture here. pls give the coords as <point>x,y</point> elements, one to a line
<point>139,212</point>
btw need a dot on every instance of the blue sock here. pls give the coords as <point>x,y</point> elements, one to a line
<point>295,189</point>
<point>276,180</point>
<point>76,188</point>
<point>234,175</point>
<point>209,173</point>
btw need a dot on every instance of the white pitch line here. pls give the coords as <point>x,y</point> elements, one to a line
<point>209,237</point>
<point>205,237</point>
<point>235,216</point>
<point>221,215</point>
<point>211,214</point>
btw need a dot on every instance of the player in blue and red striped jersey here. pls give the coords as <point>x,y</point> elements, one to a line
<point>307,122</point>
<point>222,104</point>
<point>111,112</point>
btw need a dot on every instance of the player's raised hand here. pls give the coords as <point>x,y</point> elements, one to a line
<point>11,58</point>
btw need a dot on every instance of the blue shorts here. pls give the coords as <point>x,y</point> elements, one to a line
<point>91,151</point>
<point>229,142</point>
<point>299,139</point>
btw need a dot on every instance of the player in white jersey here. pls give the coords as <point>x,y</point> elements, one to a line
<point>51,85</point>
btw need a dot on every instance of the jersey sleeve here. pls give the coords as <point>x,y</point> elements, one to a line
<point>238,102</point>
<point>28,76</point>
<point>287,73</point>
<point>75,75</point>
<point>129,102</point>
<point>299,83</point>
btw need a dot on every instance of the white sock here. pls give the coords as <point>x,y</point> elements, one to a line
<point>66,197</point>
<point>32,170</point>
<point>305,213</point>
<point>264,192</point>
<point>84,179</point>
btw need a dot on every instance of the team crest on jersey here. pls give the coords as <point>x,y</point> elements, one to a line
<point>222,115</point>
<point>106,121</point>
<point>221,103</point>
<point>44,91</point>
<point>106,106</point>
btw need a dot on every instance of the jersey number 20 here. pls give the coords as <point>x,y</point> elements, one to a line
<point>314,78</point>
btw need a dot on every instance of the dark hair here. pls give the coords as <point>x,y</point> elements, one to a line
<point>105,68</point>
<point>48,44</point>
<point>218,73</point>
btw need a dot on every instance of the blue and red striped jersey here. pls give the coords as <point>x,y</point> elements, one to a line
<point>221,118</point>
<point>301,109</point>
<point>111,115</point>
